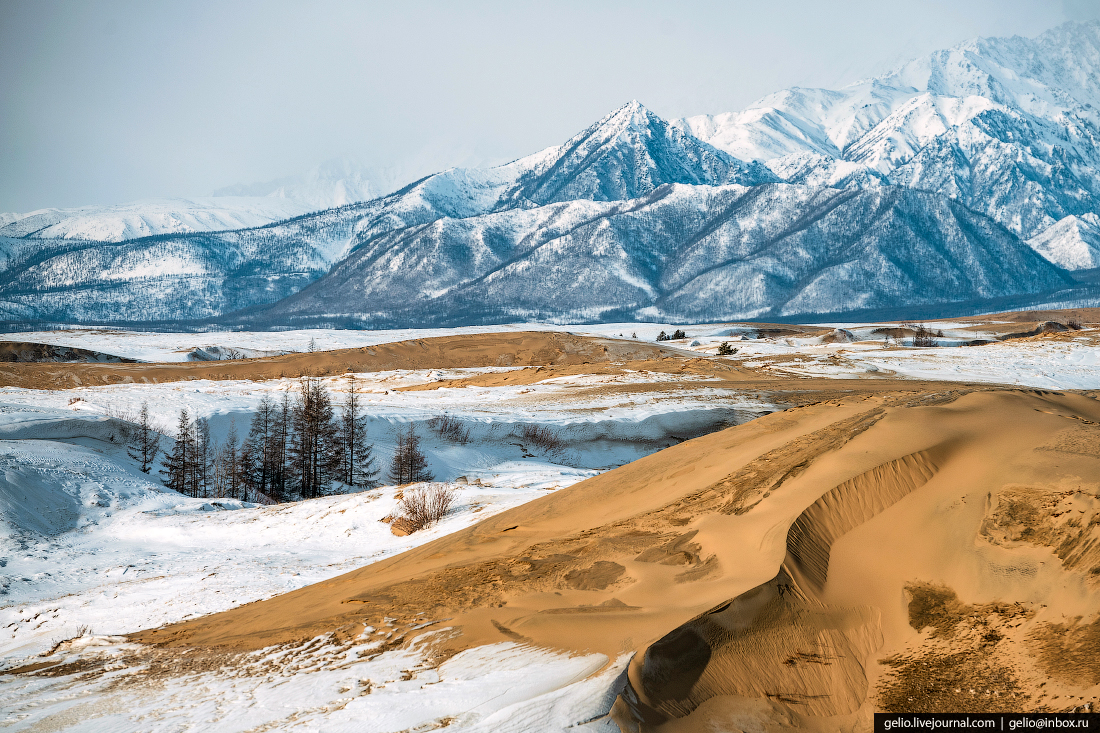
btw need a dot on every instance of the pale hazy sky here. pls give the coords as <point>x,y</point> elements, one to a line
<point>106,102</point>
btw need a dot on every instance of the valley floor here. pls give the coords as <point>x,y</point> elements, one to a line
<point>93,551</point>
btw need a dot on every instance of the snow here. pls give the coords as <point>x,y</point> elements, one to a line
<point>153,216</point>
<point>1072,243</point>
<point>92,549</point>
<point>1041,363</point>
<point>319,686</point>
<point>168,346</point>
<point>1046,364</point>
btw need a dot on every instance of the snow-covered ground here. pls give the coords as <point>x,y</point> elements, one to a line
<point>164,347</point>
<point>1054,363</point>
<point>92,549</point>
<point>1050,364</point>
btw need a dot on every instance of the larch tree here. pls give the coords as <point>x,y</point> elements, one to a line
<point>178,464</point>
<point>146,441</point>
<point>314,449</point>
<point>356,455</point>
<point>257,460</point>
<point>408,465</point>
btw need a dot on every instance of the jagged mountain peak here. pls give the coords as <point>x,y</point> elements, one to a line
<point>627,154</point>
<point>632,115</point>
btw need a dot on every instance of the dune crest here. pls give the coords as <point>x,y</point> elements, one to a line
<point>768,569</point>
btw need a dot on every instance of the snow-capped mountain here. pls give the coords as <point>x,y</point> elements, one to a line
<point>680,253</point>
<point>1009,126</point>
<point>169,278</point>
<point>1074,241</point>
<point>151,217</point>
<point>331,184</point>
<point>964,181</point>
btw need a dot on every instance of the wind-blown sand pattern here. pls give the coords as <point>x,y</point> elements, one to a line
<point>847,507</point>
<point>879,545</point>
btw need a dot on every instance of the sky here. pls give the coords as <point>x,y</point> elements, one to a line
<point>112,101</point>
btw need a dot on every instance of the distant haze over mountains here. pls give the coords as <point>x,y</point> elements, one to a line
<point>966,180</point>
<point>333,183</point>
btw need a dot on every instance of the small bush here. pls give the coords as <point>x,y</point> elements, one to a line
<point>423,507</point>
<point>542,437</point>
<point>450,428</point>
<point>724,349</point>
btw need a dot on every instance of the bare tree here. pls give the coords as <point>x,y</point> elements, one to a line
<point>924,336</point>
<point>146,440</point>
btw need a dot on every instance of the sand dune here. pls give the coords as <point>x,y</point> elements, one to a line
<point>783,569</point>
<point>532,348</point>
<point>880,545</point>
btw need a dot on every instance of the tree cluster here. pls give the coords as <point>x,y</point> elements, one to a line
<point>296,448</point>
<point>924,336</point>
<point>677,334</point>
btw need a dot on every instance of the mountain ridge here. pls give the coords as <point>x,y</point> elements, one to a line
<point>880,195</point>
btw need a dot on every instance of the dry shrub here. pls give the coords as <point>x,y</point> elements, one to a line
<point>542,437</point>
<point>423,507</point>
<point>450,428</point>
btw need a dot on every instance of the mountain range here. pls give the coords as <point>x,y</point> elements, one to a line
<point>966,180</point>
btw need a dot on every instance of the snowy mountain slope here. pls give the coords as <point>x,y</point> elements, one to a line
<point>168,277</point>
<point>1009,126</point>
<point>151,217</point>
<point>197,276</point>
<point>332,184</point>
<point>1072,243</point>
<point>681,252</point>
<point>628,154</point>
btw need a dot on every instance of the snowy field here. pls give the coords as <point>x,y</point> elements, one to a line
<point>1044,363</point>
<point>92,549</point>
<point>1049,364</point>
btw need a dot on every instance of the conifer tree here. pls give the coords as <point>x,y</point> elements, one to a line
<point>257,459</point>
<point>178,470</point>
<point>356,459</point>
<point>409,465</point>
<point>233,488</point>
<point>146,441</point>
<point>314,448</point>
<point>203,463</point>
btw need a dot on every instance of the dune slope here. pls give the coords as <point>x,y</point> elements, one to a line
<point>525,348</point>
<point>805,568</point>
